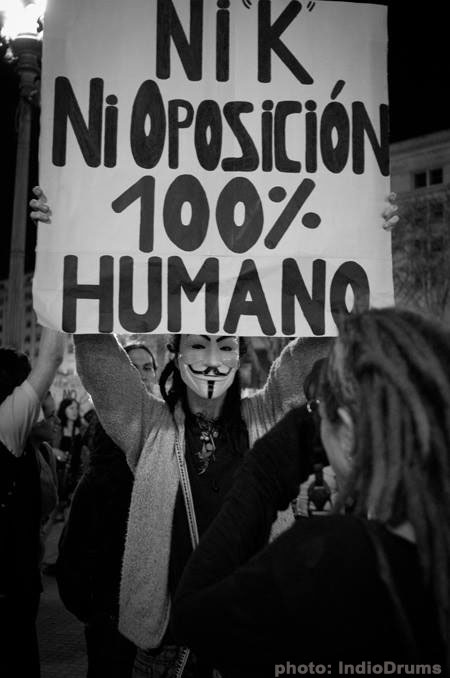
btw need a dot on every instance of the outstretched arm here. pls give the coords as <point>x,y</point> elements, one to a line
<point>51,353</point>
<point>122,403</point>
<point>20,409</point>
<point>284,387</point>
<point>124,407</point>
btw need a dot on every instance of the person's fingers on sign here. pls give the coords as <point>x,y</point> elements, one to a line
<point>42,212</point>
<point>389,214</point>
<point>40,209</point>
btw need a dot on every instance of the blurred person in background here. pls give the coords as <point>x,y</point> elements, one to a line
<point>42,437</point>
<point>144,361</point>
<point>68,453</point>
<point>21,390</point>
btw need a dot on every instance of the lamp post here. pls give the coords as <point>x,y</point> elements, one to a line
<point>26,50</point>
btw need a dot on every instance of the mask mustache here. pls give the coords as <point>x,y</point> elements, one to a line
<point>214,371</point>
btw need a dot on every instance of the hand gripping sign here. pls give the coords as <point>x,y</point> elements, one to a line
<point>215,167</point>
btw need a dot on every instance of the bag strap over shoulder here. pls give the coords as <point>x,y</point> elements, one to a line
<point>184,652</point>
<point>187,493</point>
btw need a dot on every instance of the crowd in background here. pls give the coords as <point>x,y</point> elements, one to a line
<point>326,489</point>
<point>207,531</point>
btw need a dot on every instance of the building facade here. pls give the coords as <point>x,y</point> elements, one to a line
<point>420,175</point>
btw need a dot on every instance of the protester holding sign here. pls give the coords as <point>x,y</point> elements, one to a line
<point>191,443</point>
<point>184,452</point>
<point>213,170</point>
<point>369,590</point>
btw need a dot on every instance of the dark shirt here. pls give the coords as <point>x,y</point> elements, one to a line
<point>20,511</point>
<point>72,445</point>
<point>92,542</point>
<point>208,490</point>
<point>313,595</point>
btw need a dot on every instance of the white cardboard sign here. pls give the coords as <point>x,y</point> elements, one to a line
<point>213,167</point>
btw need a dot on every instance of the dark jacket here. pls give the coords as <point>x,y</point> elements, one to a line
<point>92,543</point>
<point>20,510</point>
<point>316,594</point>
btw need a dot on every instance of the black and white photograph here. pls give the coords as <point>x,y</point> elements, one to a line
<point>224,339</point>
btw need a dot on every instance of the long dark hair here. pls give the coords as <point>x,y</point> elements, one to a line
<point>65,402</point>
<point>14,369</point>
<point>231,414</point>
<point>390,369</point>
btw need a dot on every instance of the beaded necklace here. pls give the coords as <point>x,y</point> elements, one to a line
<point>209,431</point>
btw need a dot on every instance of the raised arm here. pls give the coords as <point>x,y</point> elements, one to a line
<point>51,353</point>
<point>20,408</point>
<point>123,406</point>
<point>122,403</point>
<point>284,387</point>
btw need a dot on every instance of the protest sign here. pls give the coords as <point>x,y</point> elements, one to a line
<point>213,167</point>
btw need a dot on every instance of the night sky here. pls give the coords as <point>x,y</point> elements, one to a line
<point>419,79</point>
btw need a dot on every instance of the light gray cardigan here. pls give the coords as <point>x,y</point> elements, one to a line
<point>143,427</point>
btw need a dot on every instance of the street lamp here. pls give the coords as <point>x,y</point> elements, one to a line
<point>21,27</point>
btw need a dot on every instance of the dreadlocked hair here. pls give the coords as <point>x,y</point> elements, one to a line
<point>231,414</point>
<point>394,379</point>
